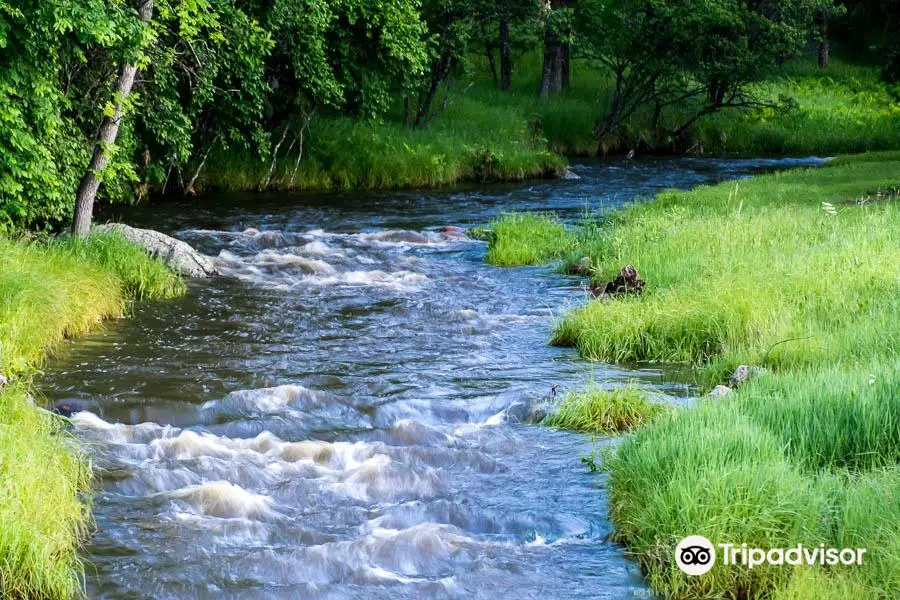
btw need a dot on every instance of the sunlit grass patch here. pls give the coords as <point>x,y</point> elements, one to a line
<point>605,411</point>
<point>517,239</point>
<point>142,277</point>
<point>43,517</point>
<point>772,468</point>
<point>751,272</point>
<point>50,291</point>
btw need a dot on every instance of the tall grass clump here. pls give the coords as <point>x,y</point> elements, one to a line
<point>141,277</point>
<point>43,516</point>
<point>602,411</point>
<point>48,292</point>
<point>517,239</point>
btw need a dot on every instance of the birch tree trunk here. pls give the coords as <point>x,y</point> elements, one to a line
<point>109,129</point>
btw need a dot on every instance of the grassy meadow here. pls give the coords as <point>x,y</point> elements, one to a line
<point>489,135</point>
<point>50,291</point>
<point>798,272</point>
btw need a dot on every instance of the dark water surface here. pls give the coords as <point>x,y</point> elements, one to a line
<point>338,415</point>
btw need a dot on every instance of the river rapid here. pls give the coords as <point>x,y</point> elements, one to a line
<point>339,415</point>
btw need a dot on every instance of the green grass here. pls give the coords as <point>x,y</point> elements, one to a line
<point>759,272</point>
<point>517,239</point>
<point>602,411</point>
<point>48,292</point>
<point>489,135</point>
<point>43,515</point>
<point>752,272</point>
<point>770,467</point>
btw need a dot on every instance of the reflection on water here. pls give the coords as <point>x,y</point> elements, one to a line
<point>340,415</point>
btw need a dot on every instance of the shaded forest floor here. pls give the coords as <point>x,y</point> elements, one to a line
<point>489,135</point>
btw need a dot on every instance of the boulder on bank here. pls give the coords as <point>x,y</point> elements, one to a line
<point>628,281</point>
<point>180,256</point>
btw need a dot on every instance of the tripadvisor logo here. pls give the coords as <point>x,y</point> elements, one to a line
<point>695,555</point>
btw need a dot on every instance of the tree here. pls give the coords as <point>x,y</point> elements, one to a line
<point>203,89</point>
<point>109,130</point>
<point>450,26</point>
<point>558,29</point>
<point>377,51</point>
<point>54,58</point>
<point>698,56</point>
<point>504,25</point>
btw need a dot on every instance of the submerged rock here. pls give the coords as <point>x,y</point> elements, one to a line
<point>180,256</point>
<point>525,412</point>
<point>453,233</point>
<point>719,391</point>
<point>628,281</point>
<point>745,373</point>
<point>67,408</point>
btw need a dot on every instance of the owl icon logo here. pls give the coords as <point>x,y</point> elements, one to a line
<point>695,555</point>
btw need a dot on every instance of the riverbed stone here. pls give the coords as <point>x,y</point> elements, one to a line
<point>453,233</point>
<point>179,255</point>
<point>720,391</point>
<point>745,373</point>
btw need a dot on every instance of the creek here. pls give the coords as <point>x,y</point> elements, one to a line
<point>339,415</point>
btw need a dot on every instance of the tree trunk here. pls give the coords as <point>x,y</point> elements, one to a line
<point>565,55</point>
<point>109,130</point>
<point>551,63</point>
<point>489,50</point>
<point>505,57</point>
<point>822,22</point>
<point>552,73</point>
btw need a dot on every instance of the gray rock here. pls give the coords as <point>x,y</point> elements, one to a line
<point>537,415</point>
<point>720,391</point>
<point>177,254</point>
<point>745,373</point>
<point>569,174</point>
<point>3,381</point>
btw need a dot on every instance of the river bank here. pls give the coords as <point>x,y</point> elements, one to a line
<point>51,291</point>
<point>487,135</point>
<point>796,272</point>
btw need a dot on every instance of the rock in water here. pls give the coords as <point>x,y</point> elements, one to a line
<point>180,256</point>
<point>569,174</point>
<point>626,282</point>
<point>453,233</point>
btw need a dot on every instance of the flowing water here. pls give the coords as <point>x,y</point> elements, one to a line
<point>340,415</point>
